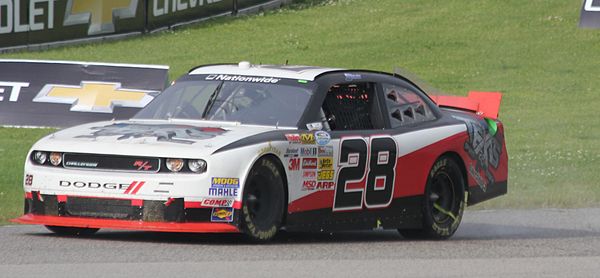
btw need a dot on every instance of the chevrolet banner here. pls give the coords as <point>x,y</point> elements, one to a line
<point>61,94</point>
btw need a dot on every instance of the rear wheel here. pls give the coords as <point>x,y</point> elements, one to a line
<point>72,231</point>
<point>444,201</point>
<point>263,201</point>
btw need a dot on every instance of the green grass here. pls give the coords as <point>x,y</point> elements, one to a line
<point>532,51</point>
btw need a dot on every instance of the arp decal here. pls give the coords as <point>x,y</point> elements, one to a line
<point>486,150</point>
<point>221,215</point>
<point>165,133</point>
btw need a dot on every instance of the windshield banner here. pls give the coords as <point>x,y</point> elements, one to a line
<point>62,94</point>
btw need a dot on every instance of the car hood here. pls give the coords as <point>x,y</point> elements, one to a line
<point>165,138</point>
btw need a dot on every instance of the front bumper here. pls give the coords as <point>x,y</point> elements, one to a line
<point>174,215</point>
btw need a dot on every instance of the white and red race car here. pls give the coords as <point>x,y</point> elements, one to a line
<point>255,149</point>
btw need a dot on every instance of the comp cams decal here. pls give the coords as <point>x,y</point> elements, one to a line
<point>167,133</point>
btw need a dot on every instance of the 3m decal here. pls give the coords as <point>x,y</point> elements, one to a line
<point>310,151</point>
<point>294,164</point>
<point>325,175</point>
<point>307,138</point>
<point>351,189</point>
<point>163,133</point>
<point>100,15</point>
<point>322,138</point>
<point>309,163</point>
<point>14,91</point>
<point>221,215</point>
<point>325,163</point>
<point>98,97</point>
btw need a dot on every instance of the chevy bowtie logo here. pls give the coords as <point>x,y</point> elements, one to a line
<point>99,14</point>
<point>91,96</point>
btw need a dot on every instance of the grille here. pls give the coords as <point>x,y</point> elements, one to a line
<point>111,162</point>
<point>101,208</point>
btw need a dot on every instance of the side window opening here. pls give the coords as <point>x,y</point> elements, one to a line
<point>405,106</point>
<point>352,106</point>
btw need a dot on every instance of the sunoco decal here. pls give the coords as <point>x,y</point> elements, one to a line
<point>221,215</point>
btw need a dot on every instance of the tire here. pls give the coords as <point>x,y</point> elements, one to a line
<point>72,231</point>
<point>443,202</point>
<point>263,201</point>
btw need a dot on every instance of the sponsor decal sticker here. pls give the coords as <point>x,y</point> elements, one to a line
<point>224,187</point>
<point>144,165</point>
<point>309,185</point>
<point>221,215</point>
<point>322,138</point>
<point>291,152</point>
<point>325,151</point>
<point>81,164</point>
<point>325,185</point>
<point>486,150</point>
<point>325,163</point>
<point>326,175</point>
<point>309,175</point>
<point>352,76</point>
<point>213,202</point>
<point>293,138</point>
<point>294,164</point>
<point>269,149</point>
<point>308,151</point>
<point>307,138</point>
<point>309,163</point>
<point>241,78</point>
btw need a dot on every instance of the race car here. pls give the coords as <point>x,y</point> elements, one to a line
<point>254,149</point>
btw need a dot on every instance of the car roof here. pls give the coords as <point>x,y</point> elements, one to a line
<point>309,73</point>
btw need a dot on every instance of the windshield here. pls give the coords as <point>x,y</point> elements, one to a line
<point>245,102</point>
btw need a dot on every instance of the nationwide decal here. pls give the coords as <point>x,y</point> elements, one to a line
<point>309,163</point>
<point>241,78</point>
<point>213,202</point>
<point>310,151</point>
<point>221,215</point>
<point>293,138</point>
<point>485,149</point>
<point>92,96</point>
<point>325,163</point>
<point>325,175</point>
<point>352,76</point>
<point>294,164</point>
<point>322,138</point>
<point>307,138</point>
<point>14,92</point>
<point>325,151</point>
<point>182,134</point>
<point>101,15</point>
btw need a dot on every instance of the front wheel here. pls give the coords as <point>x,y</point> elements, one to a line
<point>263,201</point>
<point>443,203</point>
<point>72,231</point>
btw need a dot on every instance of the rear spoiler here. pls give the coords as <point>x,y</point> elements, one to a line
<point>486,104</point>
